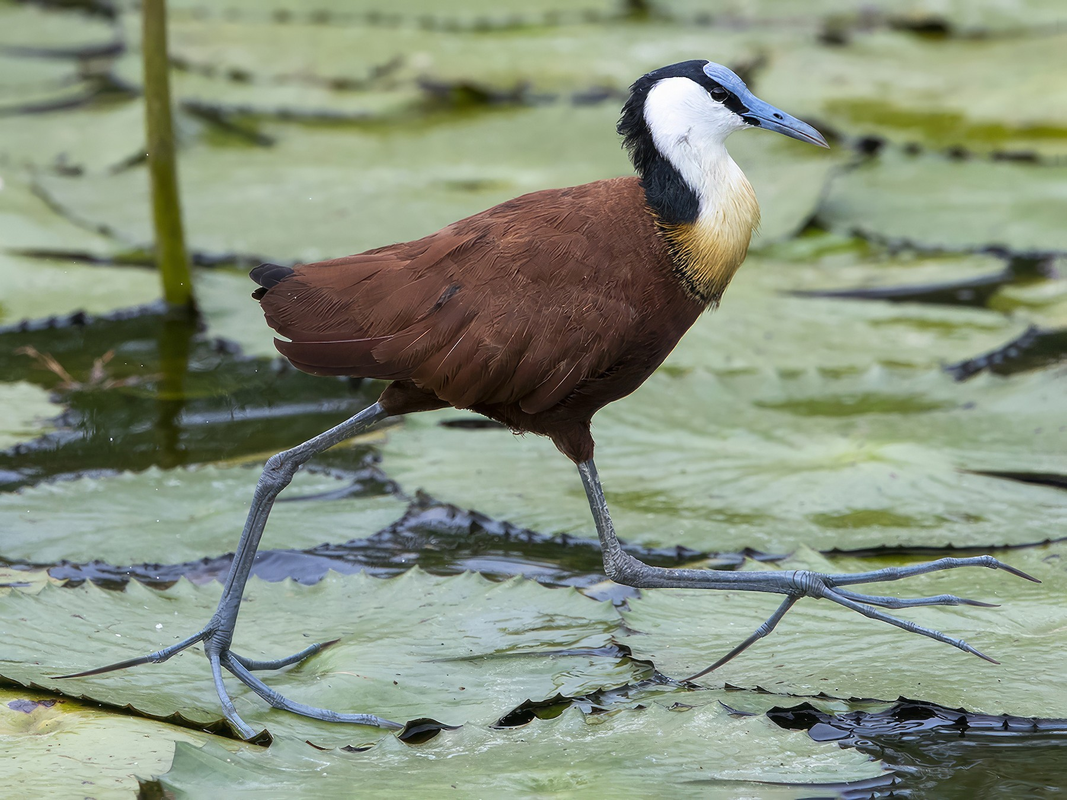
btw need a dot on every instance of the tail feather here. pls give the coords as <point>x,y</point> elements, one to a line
<point>268,276</point>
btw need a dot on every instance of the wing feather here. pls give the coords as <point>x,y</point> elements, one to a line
<point>519,304</point>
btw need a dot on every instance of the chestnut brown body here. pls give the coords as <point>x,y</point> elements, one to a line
<point>536,313</point>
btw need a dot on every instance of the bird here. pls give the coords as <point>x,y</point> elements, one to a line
<point>537,313</point>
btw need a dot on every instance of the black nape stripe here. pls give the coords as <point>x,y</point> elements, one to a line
<point>667,194</point>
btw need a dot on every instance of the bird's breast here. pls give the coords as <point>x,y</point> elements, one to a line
<point>708,251</point>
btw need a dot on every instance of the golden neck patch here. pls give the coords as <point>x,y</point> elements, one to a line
<point>708,252</point>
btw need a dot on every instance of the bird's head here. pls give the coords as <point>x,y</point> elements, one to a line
<point>697,104</point>
<point>682,114</point>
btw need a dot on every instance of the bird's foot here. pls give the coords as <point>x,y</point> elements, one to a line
<point>802,583</point>
<point>217,649</point>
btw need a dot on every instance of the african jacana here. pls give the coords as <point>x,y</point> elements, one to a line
<point>537,313</point>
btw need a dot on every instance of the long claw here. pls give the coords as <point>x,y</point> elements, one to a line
<point>281,702</point>
<point>907,625</point>
<point>278,663</point>
<point>157,657</point>
<point>898,573</point>
<point>760,632</point>
<point>224,698</point>
<point>897,602</point>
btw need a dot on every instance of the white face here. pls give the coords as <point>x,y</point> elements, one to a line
<point>689,128</point>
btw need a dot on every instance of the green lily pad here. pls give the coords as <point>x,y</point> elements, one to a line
<point>173,516</point>
<point>985,95</point>
<point>322,193</point>
<point>683,631</point>
<point>26,580</point>
<point>631,753</point>
<point>960,16</point>
<point>826,262</point>
<point>256,96</point>
<point>472,13</point>
<point>953,205</point>
<point>42,287</point>
<point>26,407</point>
<point>559,58</point>
<point>1044,302</point>
<point>91,138</point>
<point>410,647</point>
<point>773,461</point>
<point>53,747</point>
<point>28,26</point>
<point>759,327</point>
<point>28,223</point>
<point>31,83</point>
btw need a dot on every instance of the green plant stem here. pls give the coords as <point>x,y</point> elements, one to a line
<point>162,163</point>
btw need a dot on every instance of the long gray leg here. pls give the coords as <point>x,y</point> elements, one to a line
<point>623,568</point>
<point>218,633</point>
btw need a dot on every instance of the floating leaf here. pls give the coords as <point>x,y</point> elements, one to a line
<point>425,13</point>
<point>173,516</point>
<point>257,96</point>
<point>631,753</point>
<point>410,647</point>
<point>559,58</point>
<point>825,264</point>
<point>24,26</point>
<point>26,409</point>
<point>960,16</point>
<point>35,83</point>
<point>44,287</point>
<point>984,95</point>
<point>51,747</point>
<point>28,223</point>
<point>821,647</point>
<point>770,461</point>
<point>90,138</point>
<point>954,205</point>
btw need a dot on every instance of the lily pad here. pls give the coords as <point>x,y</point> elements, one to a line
<point>985,95</point>
<point>826,264</point>
<point>55,746</point>
<point>1044,302</point>
<point>27,222</point>
<point>558,58</point>
<point>173,516</point>
<point>683,631</point>
<point>26,407</point>
<point>631,753</point>
<point>936,203</point>
<point>28,84</point>
<point>758,326</point>
<point>222,93</point>
<point>25,580</point>
<point>959,16</point>
<point>410,647</point>
<point>26,26</point>
<point>42,287</point>
<point>771,461</point>
<point>91,138</point>
<point>322,193</point>
<point>426,13</point>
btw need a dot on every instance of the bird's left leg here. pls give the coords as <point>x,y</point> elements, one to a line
<point>623,568</point>
<point>218,633</point>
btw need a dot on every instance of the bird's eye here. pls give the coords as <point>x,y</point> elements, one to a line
<point>718,93</point>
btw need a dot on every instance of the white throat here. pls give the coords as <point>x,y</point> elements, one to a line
<point>689,129</point>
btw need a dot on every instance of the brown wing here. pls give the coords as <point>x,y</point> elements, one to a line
<point>518,304</point>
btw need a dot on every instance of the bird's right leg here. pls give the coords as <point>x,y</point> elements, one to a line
<point>623,568</point>
<point>218,633</point>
